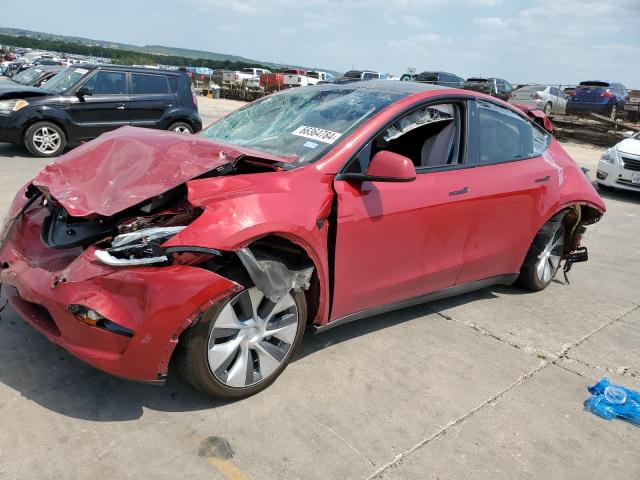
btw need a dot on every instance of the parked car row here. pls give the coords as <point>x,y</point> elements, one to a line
<point>605,98</point>
<point>269,81</point>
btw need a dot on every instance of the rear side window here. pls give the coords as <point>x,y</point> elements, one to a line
<point>505,136</point>
<point>173,84</point>
<point>148,84</point>
<point>107,83</point>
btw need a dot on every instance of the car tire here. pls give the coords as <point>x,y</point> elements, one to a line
<point>544,256</point>
<point>181,127</point>
<point>194,358</point>
<point>45,139</point>
<point>548,108</point>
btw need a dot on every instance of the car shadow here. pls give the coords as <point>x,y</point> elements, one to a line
<point>10,150</point>
<point>54,379</point>
<point>618,195</point>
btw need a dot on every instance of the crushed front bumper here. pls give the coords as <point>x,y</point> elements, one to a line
<point>155,303</point>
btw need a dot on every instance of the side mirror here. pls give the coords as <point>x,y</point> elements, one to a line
<point>385,166</point>
<point>627,134</point>
<point>83,92</point>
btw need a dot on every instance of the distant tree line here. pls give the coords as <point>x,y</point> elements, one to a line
<point>120,56</point>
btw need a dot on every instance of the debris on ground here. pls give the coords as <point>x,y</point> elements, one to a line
<point>610,401</point>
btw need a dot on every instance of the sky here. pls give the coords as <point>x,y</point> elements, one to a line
<point>522,41</point>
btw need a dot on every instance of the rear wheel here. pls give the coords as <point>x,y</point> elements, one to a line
<point>181,127</point>
<point>240,345</point>
<point>544,256</point>
<point>45,139</point>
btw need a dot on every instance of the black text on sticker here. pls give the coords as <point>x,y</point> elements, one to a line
<point>319,134</point>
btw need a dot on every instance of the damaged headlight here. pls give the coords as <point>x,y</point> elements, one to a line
<point>8,106</point>
<point>610,156</point>
<point>138,248</point>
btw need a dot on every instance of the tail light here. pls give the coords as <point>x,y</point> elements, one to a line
<point>607,94</point>
<point>194,98</point>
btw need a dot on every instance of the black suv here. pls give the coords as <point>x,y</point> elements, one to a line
<point>441,78</point>
<point>496,87</point>
<point>81,102</point>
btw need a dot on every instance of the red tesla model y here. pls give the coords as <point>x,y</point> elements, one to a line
<point>303,210</point>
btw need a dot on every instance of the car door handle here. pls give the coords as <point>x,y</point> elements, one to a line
<point>543,179</point>
<point>462,191</point>
<point>120,106</point>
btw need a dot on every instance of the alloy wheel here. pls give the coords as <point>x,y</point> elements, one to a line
<point>182,129</point>
<point>251,338</point>
<point>549,259</point>
<point>46,140</point>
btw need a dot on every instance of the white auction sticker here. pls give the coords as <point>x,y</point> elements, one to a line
<point>310,144</point>
<point>319,134</point>
<point>81,70</point>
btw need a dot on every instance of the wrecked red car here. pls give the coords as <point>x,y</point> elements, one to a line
<point>308,208</point>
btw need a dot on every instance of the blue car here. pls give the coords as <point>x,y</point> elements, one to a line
<point>605,98</point>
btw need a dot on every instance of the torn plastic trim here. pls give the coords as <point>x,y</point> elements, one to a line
<point>274,278</point>
<point>183,249</point>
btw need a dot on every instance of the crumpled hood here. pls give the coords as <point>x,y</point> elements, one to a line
<point>125,167</point>
<point>629,145</point>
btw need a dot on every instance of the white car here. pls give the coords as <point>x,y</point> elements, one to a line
<point>619,166</point>
<point>546,97</point>
<point>249,75</point>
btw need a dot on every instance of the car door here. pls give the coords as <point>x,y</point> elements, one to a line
<point>151,98</point>
<point>559,102</point>
<point>508,192</point>
<point>104,107</point>
<point>396,241</point>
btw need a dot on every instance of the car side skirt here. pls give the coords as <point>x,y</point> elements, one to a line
<point>508,279</point>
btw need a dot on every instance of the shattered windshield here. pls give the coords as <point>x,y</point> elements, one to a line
<point>304,122</point>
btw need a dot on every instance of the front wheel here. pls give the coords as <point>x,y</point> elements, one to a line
<point>45,139</point>
<point>543,259</point>
<point>240,345</point>
<point>181,127</point>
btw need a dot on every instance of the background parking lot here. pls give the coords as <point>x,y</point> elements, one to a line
<point>486,385</point>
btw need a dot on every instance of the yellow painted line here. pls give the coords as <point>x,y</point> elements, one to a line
<point>227,468</point>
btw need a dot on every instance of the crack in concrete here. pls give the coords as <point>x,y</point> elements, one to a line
<point>348,444</point>
<point>542,354</point>
<point>622,371</point>
<point>442,431</point>
<point>519,381</point>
